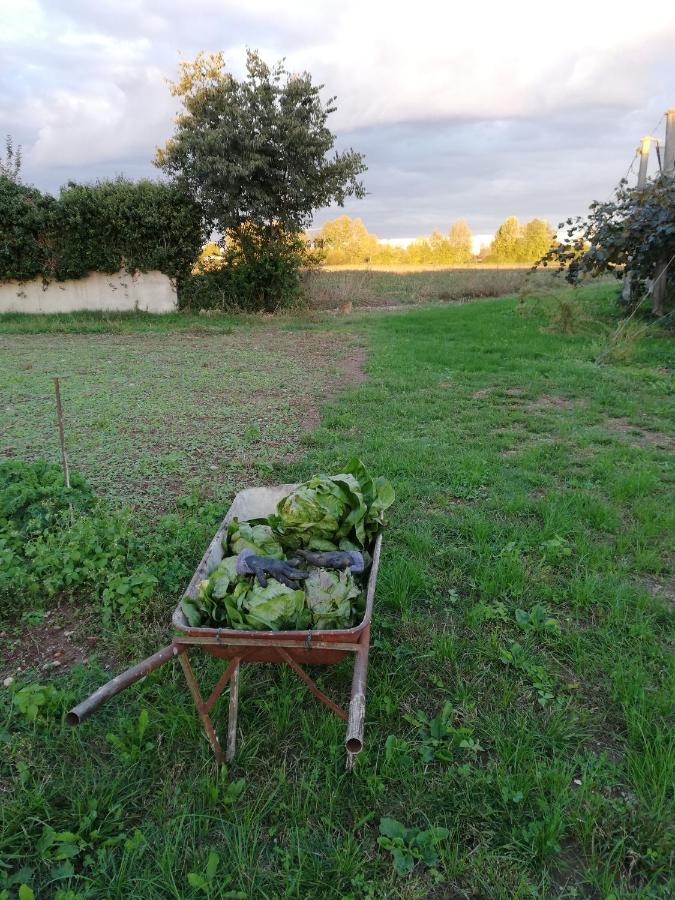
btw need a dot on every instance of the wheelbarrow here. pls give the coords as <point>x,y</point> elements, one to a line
<point>291,648</point>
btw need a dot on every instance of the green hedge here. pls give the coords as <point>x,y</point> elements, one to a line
<point>101,227</point>
<point>27,227</point>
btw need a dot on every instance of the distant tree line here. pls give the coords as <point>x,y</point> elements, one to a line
<point>347,241</point>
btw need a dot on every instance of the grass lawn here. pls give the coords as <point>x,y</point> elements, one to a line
<point>146,412</point>
<point>523,605</point>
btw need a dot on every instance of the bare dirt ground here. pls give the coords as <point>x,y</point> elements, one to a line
<point>55,643</point>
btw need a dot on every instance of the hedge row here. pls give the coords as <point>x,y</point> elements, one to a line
<point>142,226</point>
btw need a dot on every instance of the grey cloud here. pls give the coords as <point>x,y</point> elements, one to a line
<point>85,93</point>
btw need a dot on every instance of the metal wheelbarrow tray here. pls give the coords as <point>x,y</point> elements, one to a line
<point>292,648</point>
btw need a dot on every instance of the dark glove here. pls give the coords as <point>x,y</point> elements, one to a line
<point>333,559</point>
<point>262,566</point>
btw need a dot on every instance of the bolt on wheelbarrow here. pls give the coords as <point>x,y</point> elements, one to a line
<point>235,647</point>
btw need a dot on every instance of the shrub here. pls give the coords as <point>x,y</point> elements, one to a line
<point>139,225</point>
<point>256,274</point>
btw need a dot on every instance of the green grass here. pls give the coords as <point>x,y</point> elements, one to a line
<point>120,323</point>
<point>144,415</point>
<point>519,501</point>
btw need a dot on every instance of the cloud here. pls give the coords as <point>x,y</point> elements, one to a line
<point>462,109</point>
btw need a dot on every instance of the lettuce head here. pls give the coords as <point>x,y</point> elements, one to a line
<point>331,597</point>
<point>328,512</point>
<point>258,537</point>
<point>273,608</point>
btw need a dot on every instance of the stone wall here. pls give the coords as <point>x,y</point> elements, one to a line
<point>146,291</point>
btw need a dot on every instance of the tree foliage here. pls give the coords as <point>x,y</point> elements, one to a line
<point>460,240</point>
<point>10,166</point>
<point>255,152</point>
<point>518,243</point>
<point>440,249</point>
<point>97,228</point>
<point>142,225</point>
<point>27,231</point>
<point>346,241</point>
<point>258,157</point>
<point>505,244</point>
<point>635,225</point>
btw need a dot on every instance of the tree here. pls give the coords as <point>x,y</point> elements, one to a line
<point>258,157</point>
<point>536,240</point>
<point>345,240</point>
<point>636,225</point>
<point>505,245</point>
<point>254,152</point>
<point>461,245</point>
<point>211,257</point>
<point>10,166</point>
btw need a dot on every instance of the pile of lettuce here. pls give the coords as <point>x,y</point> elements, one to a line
<point>328,512</point>
<point>228,600</point>
<point>333,512</point>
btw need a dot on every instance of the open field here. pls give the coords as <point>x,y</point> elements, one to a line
<point>526,582</point>
<point>391,286</point>
<point>145,415</point>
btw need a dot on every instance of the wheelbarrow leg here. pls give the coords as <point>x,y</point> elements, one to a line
<point>201,706</point>
<point>232,713</point>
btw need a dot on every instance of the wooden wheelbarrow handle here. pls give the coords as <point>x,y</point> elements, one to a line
<point>83,710</point>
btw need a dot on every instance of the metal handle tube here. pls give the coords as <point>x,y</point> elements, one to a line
<point>83,710</point>
<point>357,704</point>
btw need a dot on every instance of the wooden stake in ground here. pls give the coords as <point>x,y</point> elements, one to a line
<point>62,438</point>
<point>661,274</point>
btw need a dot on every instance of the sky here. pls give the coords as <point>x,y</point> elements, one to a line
<point>476,110</point>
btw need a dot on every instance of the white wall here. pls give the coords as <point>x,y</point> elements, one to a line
<point>147,291</point>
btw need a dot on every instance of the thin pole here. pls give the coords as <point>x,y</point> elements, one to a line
<point>62,438</point>
<point>644,161</point>
<point>669,152</point>
<point>659,289</point>
<point>83,710</point>
<point>630,283</point>
<point>357,704</point>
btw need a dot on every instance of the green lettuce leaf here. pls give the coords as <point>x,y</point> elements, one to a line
<point>330,597</point>
<point>331,511</point>
<point>274,608</point>
<point>378,495</point>
<point>224,577</point>
<point>319,512</point>
<point>257,537</point>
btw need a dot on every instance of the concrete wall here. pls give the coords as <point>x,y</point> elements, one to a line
<point>147,291</point>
